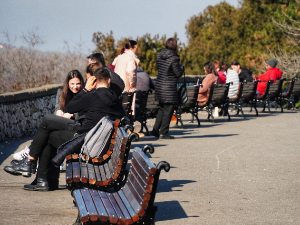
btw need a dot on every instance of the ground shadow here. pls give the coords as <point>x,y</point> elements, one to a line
<point>170,210</point>
<point>207,136</point>
<point>168,186</point>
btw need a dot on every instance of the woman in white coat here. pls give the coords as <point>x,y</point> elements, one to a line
<point>126,65</point>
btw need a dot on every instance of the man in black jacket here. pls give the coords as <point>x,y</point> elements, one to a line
<point>117,83</point>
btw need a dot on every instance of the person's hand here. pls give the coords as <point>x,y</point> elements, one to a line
<point>59,113</point>
<point>254,77</point>
<point>91,83</point>
<point>132,89</point>
<point>68,115</point>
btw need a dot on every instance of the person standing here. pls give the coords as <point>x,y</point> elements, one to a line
<point>169,70</point>
<point>126,66</point>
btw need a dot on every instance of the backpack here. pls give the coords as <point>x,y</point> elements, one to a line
<point>97,140</point>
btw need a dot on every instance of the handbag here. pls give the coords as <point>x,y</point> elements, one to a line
<point>182,91</point>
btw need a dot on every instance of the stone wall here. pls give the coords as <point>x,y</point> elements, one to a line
<point>22,112</point>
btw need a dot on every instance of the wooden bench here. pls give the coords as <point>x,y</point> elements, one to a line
<point>292,93</point>
<point>217,98</point>
<point>190,106</point>
<point>247,95</point>
<point>148,109</point>
<point>127,99</point>
<point>272,93</point>
<point>132,204</point>
<point>141,111</point>
<point>99,174</point>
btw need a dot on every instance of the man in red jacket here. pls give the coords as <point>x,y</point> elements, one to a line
<point>272,73</point>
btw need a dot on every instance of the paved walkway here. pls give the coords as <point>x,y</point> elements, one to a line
<point>245,171</point>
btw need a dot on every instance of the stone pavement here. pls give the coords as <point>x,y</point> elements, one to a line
<point>244,171</point>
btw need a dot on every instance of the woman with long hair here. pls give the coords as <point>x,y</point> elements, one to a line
<point>73,84</point>
<point>169,71</point>
<point>48,137</point>
<point>210,78</point>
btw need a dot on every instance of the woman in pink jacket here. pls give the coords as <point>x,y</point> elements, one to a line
<point>211,78</point>
<point>126,65</point>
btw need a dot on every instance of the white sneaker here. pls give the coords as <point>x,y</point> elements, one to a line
<point>21,154</point>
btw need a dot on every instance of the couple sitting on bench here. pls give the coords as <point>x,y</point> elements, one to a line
<point>95,103</point>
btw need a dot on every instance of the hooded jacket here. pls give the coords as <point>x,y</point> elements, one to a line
<point>169,70</point>
<point>273,73</point>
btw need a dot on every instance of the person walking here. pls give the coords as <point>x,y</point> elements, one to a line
<point>169,70</point>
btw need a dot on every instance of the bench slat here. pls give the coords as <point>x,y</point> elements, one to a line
<point>76,171</point>
<point>81,206</point>
<point>129,208</point>
<point>119,213</point>
<point>98,175</point>
<point>133,202</point>
<point>83,172</point>
<point>140,185</point>
<point>146,163</point>
<point>91,172</point>
<point>103,216</point>
<point>107,172</point>
<point>123,208</point>
<point>103,176</point>
<point>69,177</point>
<point>93,214</point>
<point>109,208</point>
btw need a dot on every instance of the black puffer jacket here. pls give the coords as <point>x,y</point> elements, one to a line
<point>169,70</point>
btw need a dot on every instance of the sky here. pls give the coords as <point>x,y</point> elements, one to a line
<point>75,21</point>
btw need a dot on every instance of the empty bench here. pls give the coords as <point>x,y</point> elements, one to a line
<point>132,204</point>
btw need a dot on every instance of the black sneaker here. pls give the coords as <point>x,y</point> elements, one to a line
<point>166,136</point>
<point>154,133</point>
<point>22,168</point>
<point>33,164</point>
<point>41,185</point>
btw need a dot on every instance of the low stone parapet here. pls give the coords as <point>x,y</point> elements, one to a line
<point>21,112</point>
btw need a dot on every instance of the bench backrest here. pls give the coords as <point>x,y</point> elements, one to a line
<point>152,105</point>
<point>218,94</point>
<point>141,109</point>
<point>267,88</point>
<point>296,89</point>
<point>119,156</point>
<point>126,99</point>
<point>275,89</point>
<point>238,93</point>
<point>192,95</point>
<point>140,182</point>
<point>249,91</point>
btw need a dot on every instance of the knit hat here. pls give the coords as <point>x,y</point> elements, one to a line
<point>272,63</point>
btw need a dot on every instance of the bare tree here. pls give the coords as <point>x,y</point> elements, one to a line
<point>289,62</point>
<point>26,67</point>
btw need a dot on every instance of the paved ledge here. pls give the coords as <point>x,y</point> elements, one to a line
<point>42,91</point>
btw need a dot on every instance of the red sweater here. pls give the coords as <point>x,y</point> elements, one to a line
<point>222,77</point>
<point>273,73</point>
